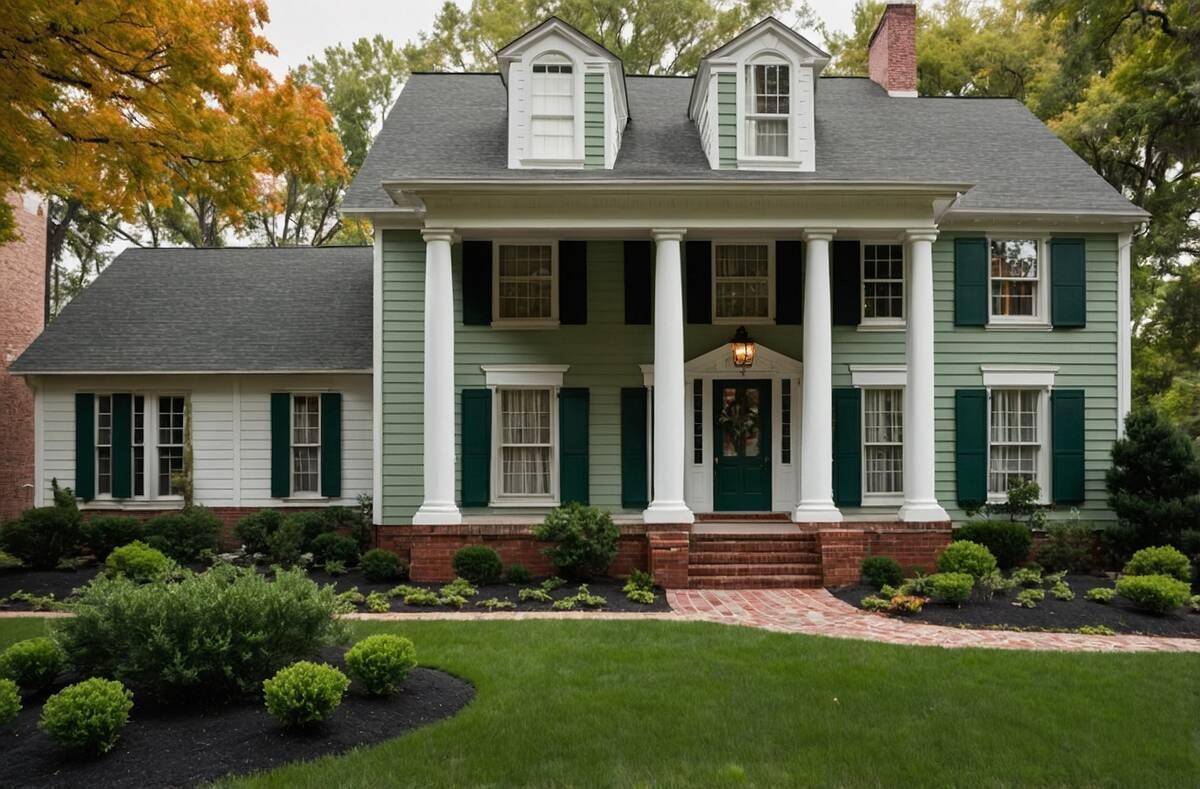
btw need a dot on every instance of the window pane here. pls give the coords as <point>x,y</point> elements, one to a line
<point>767,137</point>
<point>526,281</point>
<point>1013,297</point>
<point>1015,259</point>
<point>785,427</point>
<point>883,281</point>
<point>883,437</point>
<point>305,469</point>
<point>306,420</point>
<point>525,442</point>
<point>698,421</point>
<point>743,288</point>
<point>1015,438</point>
<point>170,461</point>
<point>104,470</point>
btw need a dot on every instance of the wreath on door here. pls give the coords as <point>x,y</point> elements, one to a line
<point>739,420</point>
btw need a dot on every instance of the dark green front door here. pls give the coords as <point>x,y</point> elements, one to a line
<point>741,446</point>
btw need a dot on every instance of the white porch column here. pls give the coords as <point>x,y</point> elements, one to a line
<point>670,420</point>
<point>438,507</point>
<point>816,408</point>
<point>920,500</point>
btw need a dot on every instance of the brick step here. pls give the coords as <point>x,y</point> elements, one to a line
<point>762,570</point>
<point>755,582</point>
<point>753,546</point>
<point>753,557</point>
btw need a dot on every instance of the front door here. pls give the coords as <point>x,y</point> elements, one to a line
<point>741,446</point>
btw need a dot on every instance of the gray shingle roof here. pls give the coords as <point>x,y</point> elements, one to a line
<point>454,126</point>
<point>206,310</point>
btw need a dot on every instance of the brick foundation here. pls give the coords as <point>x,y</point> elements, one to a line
<point>668,556</point>
<point>844,546</point>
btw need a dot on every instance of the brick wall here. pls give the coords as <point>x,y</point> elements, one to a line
<point>912,545</point>
<point>22,305</point>
<point>892,56</point>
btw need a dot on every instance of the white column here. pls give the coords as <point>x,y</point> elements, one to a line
<point>438,507</point>
<point>816,408</point>
<point>920,500</point>
<point>670,420</point>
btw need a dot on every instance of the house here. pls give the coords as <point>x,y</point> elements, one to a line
<point>772,321</point>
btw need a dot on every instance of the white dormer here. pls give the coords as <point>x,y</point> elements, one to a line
<point>752,100</point>
<point>567,107</point>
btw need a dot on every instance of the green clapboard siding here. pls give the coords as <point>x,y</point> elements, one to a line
<point>1067,417</point>
<point>727,121</point>
<point>281,445</point>
<point>476,447</point>
<point>970,281</point>
<point>847,447</point>
<point>635,479</point>
<point>331,444</point>
<point>85,445</point>
<point>122,446</point>
<point>573,445</point>
<point>1068,278</point>
<point>970,445</point>
<point>593,121</point>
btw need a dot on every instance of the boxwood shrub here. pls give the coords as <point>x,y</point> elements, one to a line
<point>879,571</point>
<point>43,536</point>
<point>964,556</point>
<point>184,535</point>
<point>1008,541</point>
<point>138,562</point>
<point>87,716</point>
<point>304,693</point>
<point>10,700</point>
<point>380,663</point>
<point>255,530</point>
<point>479,564</point>
<point>953,588</point>
<point>584,539</point>
<point>33,663</point>
<point>104,533</point>
<point>1163,560</point>
<point>380,565</point>
<point>335,547</point>
<point>1158,594</point>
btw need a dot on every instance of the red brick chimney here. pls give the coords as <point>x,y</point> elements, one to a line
<point>892,51</point>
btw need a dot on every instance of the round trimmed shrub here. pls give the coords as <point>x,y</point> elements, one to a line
<point>43,536</point>
<point>139,562</point>
<point>380,565</point>
<point>1158,594</point>
<point>584,539</point>
<point>954,588</point>
<point>880,571</point>
<point>335,547</point>
<point>380,663</point>
<point>184,535</point>
<point>103,534</point>
<point>304,693</point>
<point>1163,560</point>
<point>479,564</point>
<point>518,575</point>
<point>255,530</point>
<point>87,716</point>
<point>33,663</point>
<point>10,700</point>
<point>1008,541</point>
<point>311,525</point>
<point>964,556</point>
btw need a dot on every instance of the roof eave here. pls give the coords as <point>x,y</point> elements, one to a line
<point>405,189</point>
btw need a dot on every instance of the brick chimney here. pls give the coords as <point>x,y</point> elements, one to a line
<point>892,51</point>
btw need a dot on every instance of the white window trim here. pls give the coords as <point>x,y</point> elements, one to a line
<point>1038,378</point>
<point>576,160</point>
<point>526,375</point>
<point>748,320</point>
<point>1042,301</point>
<point>878,376</point>
<point>499,499</point>
<point>307,495</point>
<point>881,324</point>
<point>768,59</point>
<point>525,323</point>
<point>149,454</point>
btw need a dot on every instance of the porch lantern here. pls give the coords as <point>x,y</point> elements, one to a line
<point>743,349</point>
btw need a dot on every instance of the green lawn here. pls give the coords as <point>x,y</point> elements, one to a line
<point>655,703</point>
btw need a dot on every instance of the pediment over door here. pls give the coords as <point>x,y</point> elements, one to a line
<point>719,361</point>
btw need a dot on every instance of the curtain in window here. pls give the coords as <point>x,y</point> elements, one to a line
<point>883,439</point>
<point>1014,438</point>
<point>525,442</point>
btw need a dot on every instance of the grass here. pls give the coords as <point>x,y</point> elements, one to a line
<point>570,703</point>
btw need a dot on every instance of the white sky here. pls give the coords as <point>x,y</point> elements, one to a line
<point>300,28</point>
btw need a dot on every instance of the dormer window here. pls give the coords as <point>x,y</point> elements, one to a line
<point>768,110</point>
<point>552,115</point>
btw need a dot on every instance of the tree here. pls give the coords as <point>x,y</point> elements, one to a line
<point>1154,482</point>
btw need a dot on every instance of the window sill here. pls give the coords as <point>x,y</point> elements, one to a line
<point>881,326</point>
<point>164,503</point>
<point>1019,326</point>
<point>527,503</point>
<point>743,321</point>
<point>304,498</point>
<point>525,324</point>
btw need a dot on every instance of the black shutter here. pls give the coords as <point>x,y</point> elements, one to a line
<point>635,483</point>
<point>573,445</point>
<point>122,446</point>
<point>699,281</point>
<point>847,447</point>
<point>477,283</point>
<point>970,282</point>
<point>845,283</point>
<point>1068,283</point>
<point>1067,433</point>
<point>572,283</point>
<point>970,445</point>
<point>638,291</point>
<point>85,446</point>
<point>789,283</point>
<point>281,445</point>
<point>476,447</point>
<point>331,444</point>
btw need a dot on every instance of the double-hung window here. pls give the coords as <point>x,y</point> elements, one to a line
<point>883,442</point>
<point>1015,437</point>
<point>139,445</point>
<point>883,283</point>
<point>104,440</point>
<point>768,110</point>
<point>1015,270</point>
<point>742,282</point>
<point>155,441</point>
<point>525,287</point>
<point>552,116</point>
<point>525,444</point>
<point>306,443</point>
<point>170,443</point>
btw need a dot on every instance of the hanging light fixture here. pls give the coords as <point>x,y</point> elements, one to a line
<point>743,349</point>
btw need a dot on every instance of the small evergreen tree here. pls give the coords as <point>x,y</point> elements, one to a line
<point>1154,482</point>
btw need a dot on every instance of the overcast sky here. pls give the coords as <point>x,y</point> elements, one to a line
<point>300,28</point>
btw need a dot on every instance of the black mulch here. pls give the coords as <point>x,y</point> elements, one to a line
<point>1050,614</point>
<point>59,583</point>
<point>189,745</point>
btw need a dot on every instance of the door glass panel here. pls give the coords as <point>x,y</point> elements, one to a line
<point>741,422</point>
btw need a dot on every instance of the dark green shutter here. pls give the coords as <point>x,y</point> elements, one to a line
<point>573,445</point>
<point>331,444</point>
<point>846,283</point>
<point>476,447</point>
<point>638,291</point>
<point>970,445</point>
<point>1066,436</point>
<point>789,283</point>
<point>970,282</point>
<point>281,445</point>
<point>85,446</point>
<point>572,283</point>
<point>477,283</point>
<point>634,426</point>
<point>122,446</point>
<point>847,447</point>
<point>699,281</point>
<point>1068,283</point>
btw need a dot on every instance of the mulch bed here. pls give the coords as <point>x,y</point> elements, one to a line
<point>59,583</point>
<point>188,745</point>
<point>1050,614</point>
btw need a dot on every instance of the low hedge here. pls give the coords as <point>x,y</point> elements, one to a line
<point>1158,594</point>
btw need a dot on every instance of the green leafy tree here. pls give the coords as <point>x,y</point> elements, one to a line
<point>1154,482</point>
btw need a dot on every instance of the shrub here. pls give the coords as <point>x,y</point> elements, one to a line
<point>421,597</point>
<point>87,716</point>
<point>873,603</point>
<point>138,562</point>
<point>1163,560</point>
<point>10,701</point>
<point>906,604</point>
<point>496,604</point>
<point>1154,482</point>
<point>917,586</point>
<point>212,634</point>
<point>104,533</point>
<point>552,583</point>
<point>640,596</point>
<point>639,588</point>
<point>1095,630</point>
<point>331,546</point>
<point>479,564</point>
<point>378,603</point>
<point>1158,594</point>
<point>380,663</point>
<point>380,565</point>
<point>183,535</point>
<point>993,584</point>
<point>286,545</point>
<point>335,567</point>
<point>1100,594</point>
<point>1194,604</point>
<point>1029,598</point>
<point>534,594</point>
<point>354,521</point>
<point>255,530</point>
<point>954,588</point>
<point>33,663</point>
<point>310,526</point>
<point>881,570</point>
<point>1068,546</point>
<point>1062,591</point>
<point>1008,541</point>
<point>459,587</point>
<point>304,693</point>
<point>584,539</point>
<point>964,556</point>
<point>44,536</point>
<point>583,597</point>
<point>517,575</point>
<point>1026,576</point>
